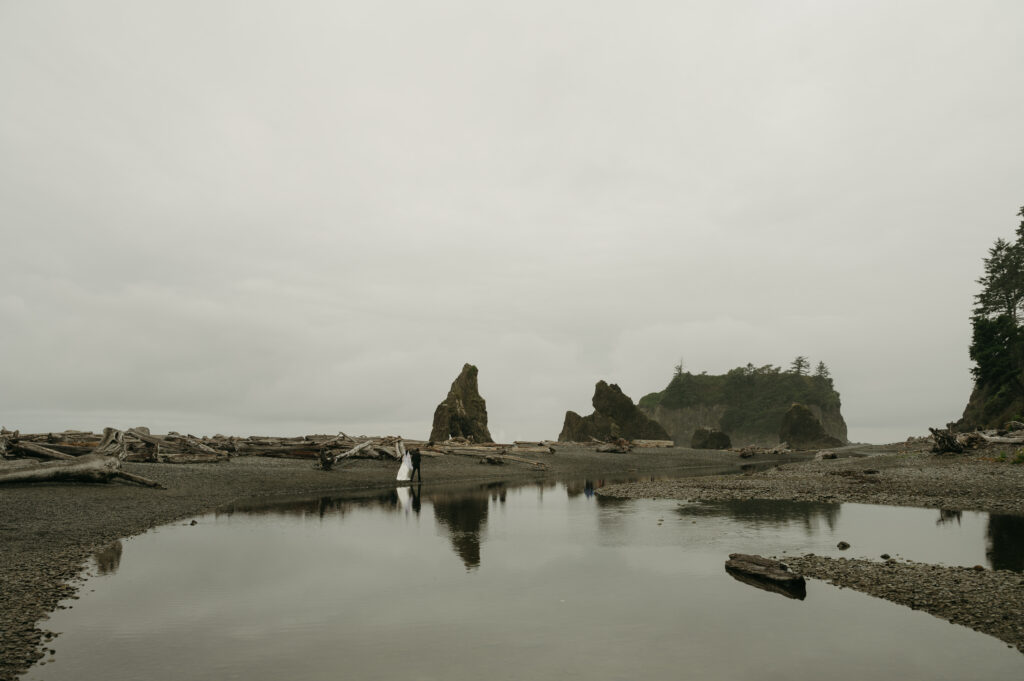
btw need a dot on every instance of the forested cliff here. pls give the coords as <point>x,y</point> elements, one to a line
<point>997,341</point>
<point>747,403</point>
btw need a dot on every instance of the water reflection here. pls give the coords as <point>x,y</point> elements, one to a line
<point>464,516</point>
<point>1004,544</point>
<point>461,514</point>
<point>108,559</point>
<point>754,511</point>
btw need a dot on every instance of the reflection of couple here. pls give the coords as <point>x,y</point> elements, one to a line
<point>409,499</point>
<point>410,465</point>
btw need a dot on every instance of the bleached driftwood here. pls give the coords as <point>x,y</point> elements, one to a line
<point>492,455</point>
<point>33,449</point>
<point>102,466</point>
<point>663,444</point>
<point>995,439</point>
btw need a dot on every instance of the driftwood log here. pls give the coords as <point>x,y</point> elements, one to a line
<point>766,574</point>
<point>33,449</point>
<point>945,442</point>
<point>492,455</point>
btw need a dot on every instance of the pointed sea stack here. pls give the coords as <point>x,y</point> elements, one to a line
<point>463,413</point>
<point>615,416</point>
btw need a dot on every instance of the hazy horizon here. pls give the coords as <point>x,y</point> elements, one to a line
<point>284,218</point>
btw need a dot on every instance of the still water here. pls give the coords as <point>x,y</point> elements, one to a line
<point>550,582</point>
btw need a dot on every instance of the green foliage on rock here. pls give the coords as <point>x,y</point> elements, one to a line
<point>705,438</point>
<point>997,337</point>
<point>751,400</point>
<point>802,430</point>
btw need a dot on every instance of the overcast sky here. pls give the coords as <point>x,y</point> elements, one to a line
<point>296,217</point>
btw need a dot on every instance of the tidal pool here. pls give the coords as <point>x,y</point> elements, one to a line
<point>535,582</point>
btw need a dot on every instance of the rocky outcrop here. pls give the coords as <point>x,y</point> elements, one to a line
<point>748,403</point>
<point>704,438</point>
<point>463,413</point>
<point>615,416</point>
<point>802,430</point>
<point>991,407</point>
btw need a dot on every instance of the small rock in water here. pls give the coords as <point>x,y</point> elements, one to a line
<point>194,522</point>
<point>885,556</point>
<point>842,546</point>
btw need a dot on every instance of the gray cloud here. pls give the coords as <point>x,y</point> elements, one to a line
<point>306,218</point>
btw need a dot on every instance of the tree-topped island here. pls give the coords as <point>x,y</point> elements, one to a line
<point>747,403</point>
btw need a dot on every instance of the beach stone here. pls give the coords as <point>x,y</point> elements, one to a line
<point>463,413</point>
<point>842,546</point>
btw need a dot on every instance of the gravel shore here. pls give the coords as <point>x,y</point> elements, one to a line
<point>49,531</point>
<point>871,475</point>
<point>991,601</point>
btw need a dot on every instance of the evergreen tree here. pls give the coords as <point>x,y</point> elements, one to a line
<point>997,339</point>
<point>822,372</point>
<point>799,366</point>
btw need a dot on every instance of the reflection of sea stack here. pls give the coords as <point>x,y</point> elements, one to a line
<point>463,413</point>
<point>614,416</point>
<point>464,517</point>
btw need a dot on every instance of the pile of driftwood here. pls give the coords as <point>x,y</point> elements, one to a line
<point>618,445</point>
<point>102,463</point>
<point>491,452</point>
<point>754,450</point>
<point>945,441</point>
<point>87,456</point>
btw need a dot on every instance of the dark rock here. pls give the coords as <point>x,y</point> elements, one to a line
<point>463,413</point>
<point>704,438</point>
<point>885,556</point>
<point>802,430</point>
<point>615,416</point>
<point>842,546</point>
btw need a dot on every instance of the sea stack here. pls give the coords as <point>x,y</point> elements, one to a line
<point>463,413</point>
<point>615,416</point>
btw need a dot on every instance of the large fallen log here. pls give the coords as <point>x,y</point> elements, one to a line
<point>994,439</point>
<point>33,449</point>
<point>87,468</point>
<point>766,574</point>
